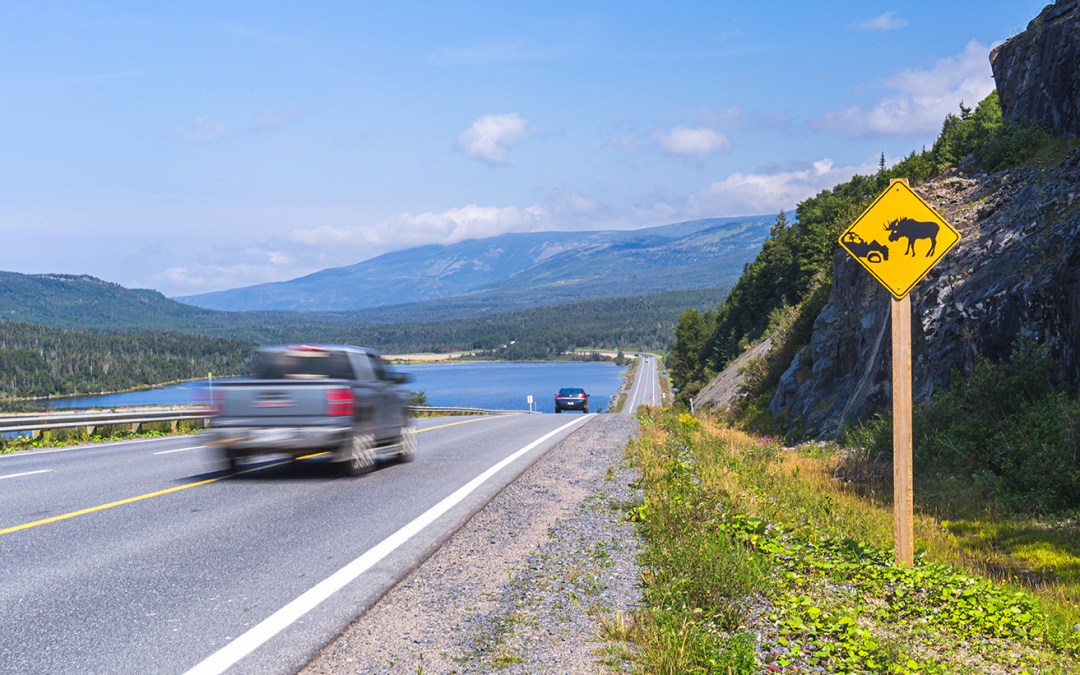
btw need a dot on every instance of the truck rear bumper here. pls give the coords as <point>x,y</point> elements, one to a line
<point>245,442</point>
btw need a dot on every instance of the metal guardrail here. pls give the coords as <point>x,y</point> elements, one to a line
<point>44,421</point>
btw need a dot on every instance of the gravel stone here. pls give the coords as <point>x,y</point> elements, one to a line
<point>523,586</point>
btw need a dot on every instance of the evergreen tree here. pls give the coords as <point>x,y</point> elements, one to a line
<point>686,363</point>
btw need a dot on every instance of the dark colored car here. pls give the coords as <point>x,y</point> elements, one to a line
<point>570,398</point>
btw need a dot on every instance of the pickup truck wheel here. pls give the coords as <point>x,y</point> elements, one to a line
<point>361,454</point>
<point>407,453</point>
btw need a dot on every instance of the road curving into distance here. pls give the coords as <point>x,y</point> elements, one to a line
<point>145,556</point>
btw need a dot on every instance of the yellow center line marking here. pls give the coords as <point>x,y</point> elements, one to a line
<point>131,500</point>
<point>454,424</point>
<point>178,488</point>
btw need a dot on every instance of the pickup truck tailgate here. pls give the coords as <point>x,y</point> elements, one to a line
<point>286,402</point>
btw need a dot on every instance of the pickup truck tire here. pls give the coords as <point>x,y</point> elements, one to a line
<point>360,450</point>
<point>408,445</point>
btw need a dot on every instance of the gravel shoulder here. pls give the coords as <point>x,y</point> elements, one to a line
<point>523,586</point>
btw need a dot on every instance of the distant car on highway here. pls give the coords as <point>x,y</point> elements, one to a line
<point>571,398</point>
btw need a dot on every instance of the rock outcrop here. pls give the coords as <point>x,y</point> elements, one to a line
<point>1014,274</point>
<point>1038,71</point>
<point>725,390</point>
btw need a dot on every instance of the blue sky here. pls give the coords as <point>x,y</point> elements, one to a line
<point>198,146</point>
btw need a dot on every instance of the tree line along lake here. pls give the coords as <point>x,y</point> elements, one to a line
<point>496,385</point>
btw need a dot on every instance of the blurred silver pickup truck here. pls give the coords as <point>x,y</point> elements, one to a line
<point>306,399</point>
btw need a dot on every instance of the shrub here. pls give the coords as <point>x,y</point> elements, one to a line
<point>1001,430</point>
<point>1003,419</point>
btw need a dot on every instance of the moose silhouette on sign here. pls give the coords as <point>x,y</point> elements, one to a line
<point>913,230</point>
<point>872,251</point>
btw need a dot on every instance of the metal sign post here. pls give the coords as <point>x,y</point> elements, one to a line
<point>900,214</point>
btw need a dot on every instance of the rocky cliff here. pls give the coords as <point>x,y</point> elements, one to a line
<point>1015,273</point>
<point>1038,71</point>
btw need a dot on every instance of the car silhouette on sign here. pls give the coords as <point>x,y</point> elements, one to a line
<point>873,251</point>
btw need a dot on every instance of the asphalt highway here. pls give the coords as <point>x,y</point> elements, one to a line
<point>145,556</point>
<point>645,390</point>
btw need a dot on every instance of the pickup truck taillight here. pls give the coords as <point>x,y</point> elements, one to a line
<point>339,402</point>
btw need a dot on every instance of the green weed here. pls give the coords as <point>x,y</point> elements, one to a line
<point>733,522</point>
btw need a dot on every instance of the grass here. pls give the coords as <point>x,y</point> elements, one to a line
<point>759,557</point>
<point>103,432</point>
<point>628,379</point>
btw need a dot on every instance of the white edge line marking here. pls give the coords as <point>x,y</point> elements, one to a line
<point>169,452</point>
<point>230,654</point>
<point>26,473</point>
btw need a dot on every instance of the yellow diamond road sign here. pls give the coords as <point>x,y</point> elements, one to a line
<point>899,238</point>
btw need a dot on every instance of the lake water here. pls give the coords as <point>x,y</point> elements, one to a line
<point>498,385</point>
<point>174,394</point>
<point>506,386</point>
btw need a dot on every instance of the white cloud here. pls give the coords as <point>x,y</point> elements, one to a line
<point>203,129</point>
<point>491,136</point>
<point>355,243</point>
<point>692,142</point>
<point>279,258</point>
<point>922,100</point>
<point>574,204</point>
<point>768,192</point>
<point>886,21</point>
<point>202,277</point>
<point>182,277</point>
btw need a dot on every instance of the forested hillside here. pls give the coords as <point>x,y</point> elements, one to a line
<point>640,322</point>
<point>636,322</point>
<point>40,361</point>
<point>80,301</point>
<point>48,361</point>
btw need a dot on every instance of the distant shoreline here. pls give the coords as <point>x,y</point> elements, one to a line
<point>427,358</point>
<point>458,357</point>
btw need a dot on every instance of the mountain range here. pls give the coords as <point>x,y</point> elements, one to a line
<point>63,310</point>
<point>513,271</point>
